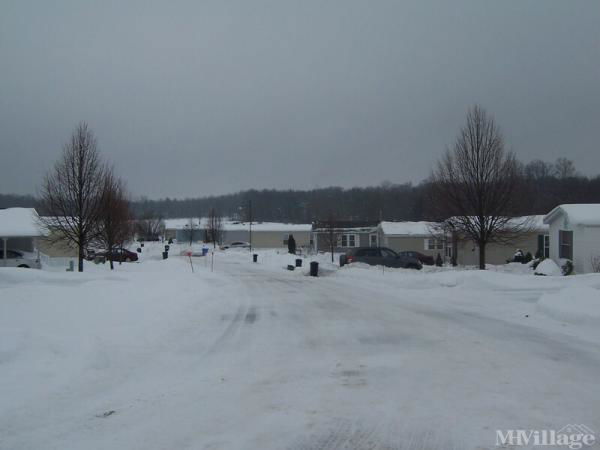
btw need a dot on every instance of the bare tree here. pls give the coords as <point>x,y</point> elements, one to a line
<point>150,226</point>
<point>71,192</point>
<point>538,170</point>
<point>475,186</point>
<point>564,168</point>
<point>114,223</point>
<point>331,233</point>
<point>193,228</point>
<point>214,227</point>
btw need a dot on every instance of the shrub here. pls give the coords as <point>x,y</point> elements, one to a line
<point>596,263</point>
<point>536,262</point>
<point>528,258</point>
<point>566,267</point>
<point>438,261</point>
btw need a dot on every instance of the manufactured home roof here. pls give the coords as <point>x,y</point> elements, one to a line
<point>526,223</point>
<point>587,214</point>
<point>365,226</point>
<point>406,228</point>
<point>182,224</point>
<point>19,222</point>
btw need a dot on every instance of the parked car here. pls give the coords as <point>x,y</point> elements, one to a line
<point>18,258</point>
<point>425,259</point>
<point>237,244</point>
<point>118,255</point>
<point>379,256</point>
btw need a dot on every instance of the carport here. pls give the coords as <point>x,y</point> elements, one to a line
<point>18,227</point>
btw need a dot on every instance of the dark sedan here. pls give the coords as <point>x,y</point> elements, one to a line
<point>379,256</point>
<point>118,255</point>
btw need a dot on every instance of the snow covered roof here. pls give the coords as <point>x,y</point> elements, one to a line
<point>533,222</point>
<point>19,222</point>
<point>179,224</point>
<point>267,226</point>
<point>182,224</point>
<point>406,228</point>
<point>587,214</point>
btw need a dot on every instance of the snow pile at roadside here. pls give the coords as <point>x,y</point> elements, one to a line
<point>577,305</point>
<point>549,268</point>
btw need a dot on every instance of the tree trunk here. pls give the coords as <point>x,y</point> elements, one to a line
<point>80,259</point>
<point>482,256</point>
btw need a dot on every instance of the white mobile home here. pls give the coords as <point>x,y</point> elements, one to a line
<point>575,235</point>
<point>264,234</point>
<point>414,236</point>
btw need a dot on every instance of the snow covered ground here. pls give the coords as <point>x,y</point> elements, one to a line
<point>252,356</point>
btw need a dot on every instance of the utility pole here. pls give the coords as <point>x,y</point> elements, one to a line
<point>250,222</point>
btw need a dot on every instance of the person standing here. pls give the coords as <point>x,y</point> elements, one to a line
<point>291,245</point>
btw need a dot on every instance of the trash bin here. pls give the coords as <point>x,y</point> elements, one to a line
<point>165,255</point>
<point>298,262</point>
<point>291,267</point>
<point>204,251</point>
<point>314,269</point>
<point>139,250</point>
<point>167,248</point>
<point>141,244</point>
<point>255,257</point>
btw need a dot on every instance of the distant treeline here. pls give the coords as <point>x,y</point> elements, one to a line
<point>545,185</point>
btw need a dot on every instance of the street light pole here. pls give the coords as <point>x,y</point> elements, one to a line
<point>250,220</point>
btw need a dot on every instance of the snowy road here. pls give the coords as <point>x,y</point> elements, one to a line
<point>255,357</point>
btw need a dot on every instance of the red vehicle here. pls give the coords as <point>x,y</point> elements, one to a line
<point>119,255</point>
<point>424,259</point>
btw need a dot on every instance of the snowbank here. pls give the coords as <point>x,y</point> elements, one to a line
<point>576,305</point>
<point>549,268</point>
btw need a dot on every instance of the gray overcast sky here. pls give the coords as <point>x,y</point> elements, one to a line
<point>191,98</point>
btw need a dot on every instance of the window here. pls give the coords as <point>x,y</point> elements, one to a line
<point>285,239</point>
<point>349,240</point>
<point>434,244</point>
<point>373,240</point>
<point>368,252</point>
<point>543,246</point>
<point>565,244</point>
<point>387,253</point>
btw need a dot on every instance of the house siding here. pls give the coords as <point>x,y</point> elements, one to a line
<point>56,248</point>
<point>267,239</point>
<point>586,244</point>
<point>322,240</point>
<point>495,253</point>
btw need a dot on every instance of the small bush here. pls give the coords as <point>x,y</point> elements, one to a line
<point>596,263</point>
<point>566,267</point>
<point>528,258</point>
<point>438,261</point>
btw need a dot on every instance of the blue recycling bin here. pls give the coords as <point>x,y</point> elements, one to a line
<point>204,251</point>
